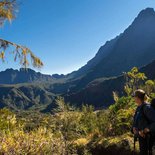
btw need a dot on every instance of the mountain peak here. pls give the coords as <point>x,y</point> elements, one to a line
<point>147,12</point>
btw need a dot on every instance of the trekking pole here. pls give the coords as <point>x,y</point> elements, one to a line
<point>135,140</point>
<point>148,144</point>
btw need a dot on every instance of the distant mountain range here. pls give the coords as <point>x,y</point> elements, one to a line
<point>23,75</point>
<point>94,82</point>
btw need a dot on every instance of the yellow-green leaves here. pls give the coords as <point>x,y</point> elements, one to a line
<point>149,83</point>
<point>21,53</point>
<point>149,86</point>
<point>2,54</point>
<point>9,15</point>
<point>134,80</point>
<point>115,96</point>
<point>136,75</point>
<point>7,10</point>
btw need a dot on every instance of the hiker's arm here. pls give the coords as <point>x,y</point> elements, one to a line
<point>150,114</point>
<point>134,130</point>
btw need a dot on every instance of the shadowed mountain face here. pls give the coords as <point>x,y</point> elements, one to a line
<point>99,92</point>
<point>102,53</point>
<point>94,82</point>
<point>134,47</point>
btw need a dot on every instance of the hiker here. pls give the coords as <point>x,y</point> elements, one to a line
<point>144,123</point>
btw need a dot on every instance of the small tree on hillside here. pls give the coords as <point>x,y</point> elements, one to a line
<point>134,80</point>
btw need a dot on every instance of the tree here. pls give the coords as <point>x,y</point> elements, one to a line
<point>134,80</point>
<point>22,53</point>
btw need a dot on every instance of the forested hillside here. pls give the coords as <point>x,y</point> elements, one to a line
<point>42,96</point>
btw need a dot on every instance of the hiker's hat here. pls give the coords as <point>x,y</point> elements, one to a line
<point>139,93</point>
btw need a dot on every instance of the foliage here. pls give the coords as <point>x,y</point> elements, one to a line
<point>7,120</point>
<point>134,80</point>
<point>22,53</point>
<point>69,130</point>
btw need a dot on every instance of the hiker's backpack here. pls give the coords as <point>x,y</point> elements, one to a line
<point>153,107</point>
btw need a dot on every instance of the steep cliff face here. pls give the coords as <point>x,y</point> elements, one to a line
<point>134,47</point>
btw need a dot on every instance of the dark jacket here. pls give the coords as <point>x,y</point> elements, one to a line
<point>144,118</point>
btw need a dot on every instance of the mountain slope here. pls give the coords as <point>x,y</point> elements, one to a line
<point>102,53</point>
<point>99,92</point>
<point>134,47</point>
<point>25,96</point>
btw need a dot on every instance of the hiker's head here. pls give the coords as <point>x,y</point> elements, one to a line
<point>139,96</point>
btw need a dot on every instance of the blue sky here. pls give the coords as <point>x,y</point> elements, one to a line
<point>65,34</point>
